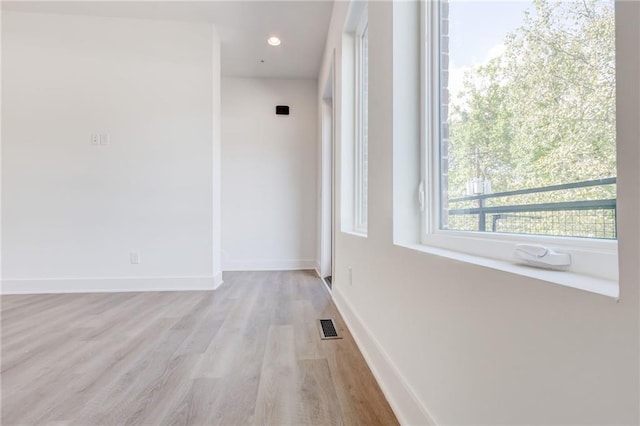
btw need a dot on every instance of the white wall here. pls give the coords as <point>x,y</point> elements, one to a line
<point>72,212</point>
<point>217,161</point>
<point>454,343</point>
<point>268,174</point>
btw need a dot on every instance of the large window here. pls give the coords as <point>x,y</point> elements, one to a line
<point>362,114</point>
<point>521,141</point>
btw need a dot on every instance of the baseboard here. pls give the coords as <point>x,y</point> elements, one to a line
<point>268,265</point>
<point>401,397</point>
<point>108,285</point>
<point>217,281</point>
<point>324,281</point>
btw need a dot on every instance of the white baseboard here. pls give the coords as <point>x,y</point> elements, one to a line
<point>401,397</point>
<point>268,265</point>
<point>108,285</point>
<point>326,286</point>
<point>217,281</point>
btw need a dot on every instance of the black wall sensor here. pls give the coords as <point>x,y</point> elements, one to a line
<point>282,110</point>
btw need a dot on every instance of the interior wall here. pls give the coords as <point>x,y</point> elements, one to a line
<point>269,167</point>
<point>455,343</point>
<point>217,161</point>
<point>72,211</point>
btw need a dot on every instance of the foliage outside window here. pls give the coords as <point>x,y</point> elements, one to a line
<point>362,114</point>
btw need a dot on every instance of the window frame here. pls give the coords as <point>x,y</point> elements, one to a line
<point>592,258</point>
<point>361,137</point>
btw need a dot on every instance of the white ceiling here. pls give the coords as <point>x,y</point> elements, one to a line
<point>244,27</point>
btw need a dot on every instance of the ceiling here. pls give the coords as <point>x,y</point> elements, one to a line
<point>244,27</point>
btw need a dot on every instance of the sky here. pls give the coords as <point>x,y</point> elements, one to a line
<point>477,29</point>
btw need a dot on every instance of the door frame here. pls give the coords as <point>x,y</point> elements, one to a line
<point>327,175</point>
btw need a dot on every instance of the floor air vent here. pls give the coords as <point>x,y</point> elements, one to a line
<point>328,329</point>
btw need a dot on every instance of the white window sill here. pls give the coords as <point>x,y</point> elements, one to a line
<point>595,285</point>
<point>355,234</point>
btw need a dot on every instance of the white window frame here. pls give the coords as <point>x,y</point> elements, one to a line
<point>593,260</point>
<point>361,141</point>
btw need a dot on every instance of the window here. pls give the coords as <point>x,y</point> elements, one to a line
<point>354,125</point>
<point>362,114</point>
<point>520,142</point>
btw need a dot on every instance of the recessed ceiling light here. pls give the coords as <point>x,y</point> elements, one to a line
<point>274,41</point>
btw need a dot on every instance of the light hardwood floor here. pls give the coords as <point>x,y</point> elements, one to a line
<point>248,353</point>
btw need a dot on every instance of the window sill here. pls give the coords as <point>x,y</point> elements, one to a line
<point>355,234</point>
<point>595,285</point>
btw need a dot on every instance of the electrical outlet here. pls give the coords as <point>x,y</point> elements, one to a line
<point>95,139</point>
<point>350,276</point>
<point>134,257</point>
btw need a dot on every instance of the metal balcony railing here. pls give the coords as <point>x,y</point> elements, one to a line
<point>510,211</point>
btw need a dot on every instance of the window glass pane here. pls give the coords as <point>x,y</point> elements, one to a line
<point>364,127</point>
<point>527,117</point>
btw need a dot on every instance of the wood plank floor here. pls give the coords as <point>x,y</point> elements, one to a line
<point>248,353</point>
